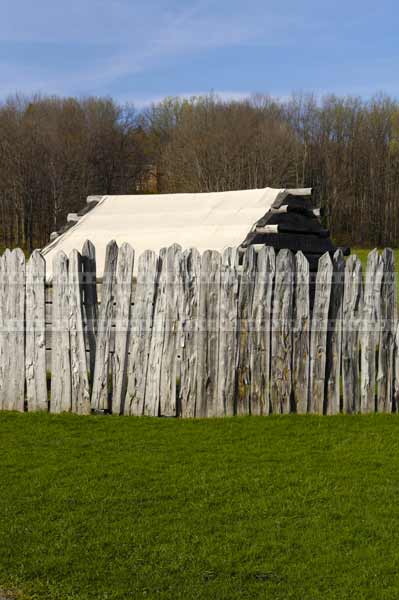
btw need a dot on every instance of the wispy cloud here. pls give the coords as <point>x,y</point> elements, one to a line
<point>138,37</point>
<point>141,50</point>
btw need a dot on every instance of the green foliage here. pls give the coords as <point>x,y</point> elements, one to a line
<point>279,507</point>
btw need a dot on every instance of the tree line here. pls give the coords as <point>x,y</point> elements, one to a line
<point>56,151</point>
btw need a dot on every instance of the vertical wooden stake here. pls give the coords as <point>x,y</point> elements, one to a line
<point>260,334</point>
<point>35,359</point>
<point>245,296</point>
<point>369,332</point>
<point>191,272</point>
<point>80,392</point>
<point>123,298</point>
<point>281,367</point>
<point>101,380</point>
<point>387,334</point>
<point>170,364</point>
<point>140,333</point>
<point>352,312</point>
<point>334,336</point>
<point>13,356</point>
<point>318,338</point>
<point>61,390</point>
<point>301,335</point>
<point>208,337</point>
<point>90,302</point>
<point>153,386</point>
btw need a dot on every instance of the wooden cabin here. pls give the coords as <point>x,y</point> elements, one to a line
<point>282,218</point>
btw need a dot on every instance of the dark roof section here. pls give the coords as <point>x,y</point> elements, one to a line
<point>292,223</point>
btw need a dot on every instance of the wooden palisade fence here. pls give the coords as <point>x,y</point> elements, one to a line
<point>198,336</point>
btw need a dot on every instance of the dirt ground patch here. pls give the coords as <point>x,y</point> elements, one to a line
<point>8,595</point>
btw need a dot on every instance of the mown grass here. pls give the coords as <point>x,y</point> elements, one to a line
<point>117,508</point>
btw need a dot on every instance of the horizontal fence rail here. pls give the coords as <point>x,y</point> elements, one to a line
<point>184,334</point>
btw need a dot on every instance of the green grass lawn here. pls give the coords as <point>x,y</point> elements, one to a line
<point>279,507</point>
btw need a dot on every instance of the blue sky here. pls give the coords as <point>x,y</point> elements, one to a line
<point>142,51</point>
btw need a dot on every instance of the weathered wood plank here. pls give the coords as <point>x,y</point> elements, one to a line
<point>231,256</point>
<point>3,329</point>
<point>227,334</point>
<point>61,388</point>
<point>4,340</point>
<point>16,315</point>
<point>18,359</point>
<point>387,333</point>
<point>13,347</point>
<point>281,367</point>
<point>334,336</point>
<point>90,313</point>
<point>191,272</point>
<point>208,337</point>
<point>260,332</point>
<point>352,311</point>
<point>369,332</point>
<point>153,384</point>
<point>244,312</point>
<point>170,364</point>
<point>35,352</point>
<point>80,392</point>
<point>140,333</point>
<point>318,337</point>
<point>301,335</point>
<point>123,298</point>
<point>396,370</point>
<point>100,391</point>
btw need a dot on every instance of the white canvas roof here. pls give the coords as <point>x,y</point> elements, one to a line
<point>152,221</point>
